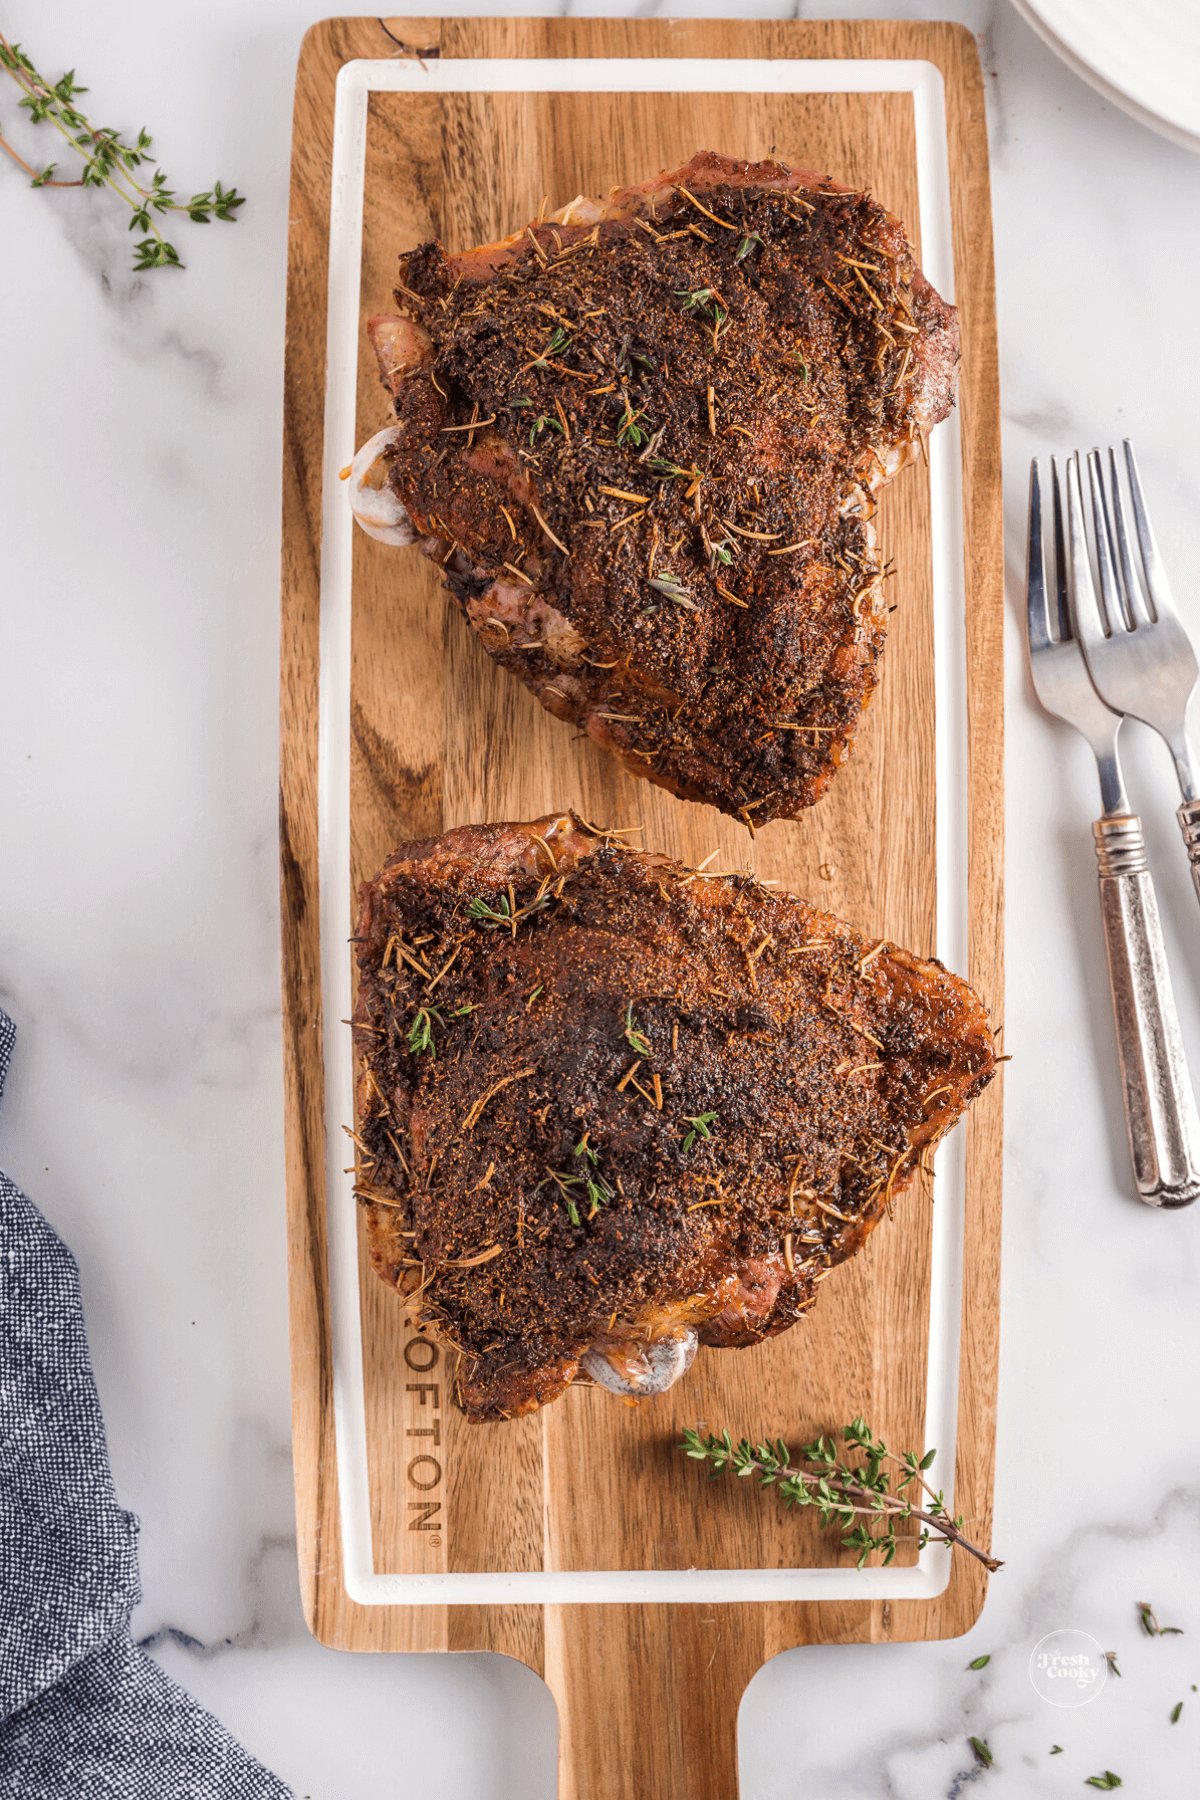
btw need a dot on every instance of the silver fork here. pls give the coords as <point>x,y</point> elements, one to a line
<point>1137,651</point>
<point>1160,1109</point>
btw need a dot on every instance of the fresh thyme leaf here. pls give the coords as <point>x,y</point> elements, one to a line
<point>1056,1749</point>
<point>1175,1712</point>
<point>746,245</point>
<point>700,1128</point>
<point>982,1753</point>
<point>466,1007</point>
<point>631,434</point>
<point>540,424</point>
<point>661,466</point>
<point>420,1032</point>
<point>796,357</point>
<point>598,1192</point>
<point>633,1037</point>
<point>1151,1626</point>
<point>573,1213</point>
<point>694,297</point>
<point>109,161</point>
<point>556,345</point>
<point>720,552</point>
<point>583,1148</point>
<point>490,916</point>
<point>1107,1781</point>
<point>1110,1657</point>
<point>981,1662</point>
<point>840,1491</point>
<point>673,588</point>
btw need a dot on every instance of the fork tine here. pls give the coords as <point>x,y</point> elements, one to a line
<point>1113,608</point>
<point>1061,595</point>
<point>1157,585</point>
<point>1085,608</point>
<point>1137,606</point>
<point>1035,582</point>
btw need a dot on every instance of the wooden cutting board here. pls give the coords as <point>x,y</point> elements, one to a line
<point>647,1694</point>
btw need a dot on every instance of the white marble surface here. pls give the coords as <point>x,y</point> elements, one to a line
<point>138,953</point>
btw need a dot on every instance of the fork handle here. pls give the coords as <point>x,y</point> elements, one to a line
<point>1160,1108</point>
<point>1189,823</point>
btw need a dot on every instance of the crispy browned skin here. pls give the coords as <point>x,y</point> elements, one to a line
<point>829,1061</point>
<point>733,375</point>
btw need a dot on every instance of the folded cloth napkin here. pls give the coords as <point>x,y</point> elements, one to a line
<point>83,1710</point>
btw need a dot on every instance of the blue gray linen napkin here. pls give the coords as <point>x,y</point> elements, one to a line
<point>83,1710</point>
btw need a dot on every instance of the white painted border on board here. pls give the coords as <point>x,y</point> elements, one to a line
<point>355,82</point>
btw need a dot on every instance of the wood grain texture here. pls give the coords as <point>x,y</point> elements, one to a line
<point>647,1696</point>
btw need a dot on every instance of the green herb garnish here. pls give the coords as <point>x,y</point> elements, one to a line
<point>556,345</point>
<point>633,1037</point>
<point>674,590</point>
<point>420,1032</point>
<point>841,1491</point>
<point>630,434</point>
<point>540,423</point>
<point>694,297</point>
<point>982,1753</point>
<point>700,1128</point>
<point>109,160</point>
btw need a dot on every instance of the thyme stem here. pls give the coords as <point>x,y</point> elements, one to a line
<point>109,161</point>
<point>839,1492</point>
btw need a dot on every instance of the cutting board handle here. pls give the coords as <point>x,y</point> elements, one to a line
<point>648,1698</point>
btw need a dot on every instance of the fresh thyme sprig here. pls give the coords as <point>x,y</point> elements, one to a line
<point>633,1037</point>
<point>557,344</point>
<point>630,433</point>
<point>840,1491</point>
<point>420,1032</point>
<point>700,1128</point>
<point>593,1184</point>
<point>674,590</point>
<point>540,423</point>
<point>492,917</point>
<point>110,161</point>
<point>1151,1626</point>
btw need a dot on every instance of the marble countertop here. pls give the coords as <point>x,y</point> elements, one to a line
<point>139,955</point>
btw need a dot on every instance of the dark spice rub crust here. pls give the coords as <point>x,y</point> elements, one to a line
<point>608,1106</point>
<point>642,440</point>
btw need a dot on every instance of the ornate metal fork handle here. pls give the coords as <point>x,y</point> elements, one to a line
<point>1188,815</point>
<point>1160,1108</point>
<point>1160,1112</point>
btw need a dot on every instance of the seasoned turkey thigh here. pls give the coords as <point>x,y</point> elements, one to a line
<point>641,439</point>
<point>610,1107</point>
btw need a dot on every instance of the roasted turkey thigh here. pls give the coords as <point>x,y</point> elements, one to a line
<point>642,438</point>
<point>610,1107</point>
